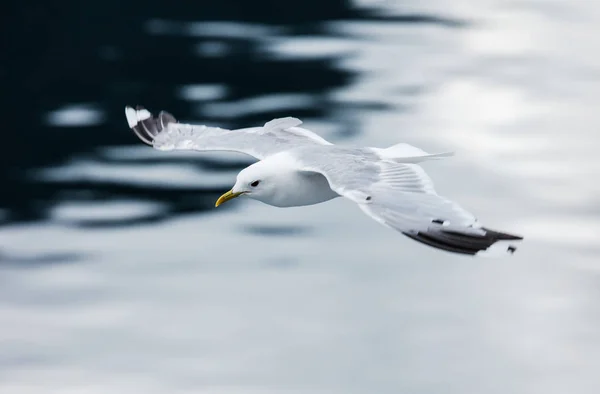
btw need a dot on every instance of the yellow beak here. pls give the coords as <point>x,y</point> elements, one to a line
<point>226,197</point>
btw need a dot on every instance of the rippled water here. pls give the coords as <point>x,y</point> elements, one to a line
<point>119,276</point>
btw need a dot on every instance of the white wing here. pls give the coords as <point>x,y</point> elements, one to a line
<point>402,196</point>
<point>165,133</point>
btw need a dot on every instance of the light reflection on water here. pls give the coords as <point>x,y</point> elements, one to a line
<point>177,297</point>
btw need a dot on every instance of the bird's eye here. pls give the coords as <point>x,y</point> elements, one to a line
<point>255,183</point>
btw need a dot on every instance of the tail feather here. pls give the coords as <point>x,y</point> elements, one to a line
<point>405,153</point>
<point>144,125</point>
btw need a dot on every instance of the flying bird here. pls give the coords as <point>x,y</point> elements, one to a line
<point>297,167</point>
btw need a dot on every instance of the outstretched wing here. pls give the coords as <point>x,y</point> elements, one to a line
<point>402,196</point>
<point>165,133</point>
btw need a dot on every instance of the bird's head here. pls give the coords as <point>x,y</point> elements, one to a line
<point>256,181</point>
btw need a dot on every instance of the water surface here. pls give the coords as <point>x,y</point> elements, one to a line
<point>119,276</point>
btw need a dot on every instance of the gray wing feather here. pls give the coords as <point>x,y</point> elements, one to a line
<point>402,197</point>
<point>165,133</point>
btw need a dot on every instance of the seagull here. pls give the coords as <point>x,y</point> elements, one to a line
<point>297,167</point>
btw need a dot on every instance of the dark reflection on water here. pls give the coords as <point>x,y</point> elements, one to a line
<point>102,55</point>
<point>25,262</point>
<point>276,230</point>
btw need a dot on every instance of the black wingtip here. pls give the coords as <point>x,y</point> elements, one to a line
<point>463,243</point>
<point>502,236</point>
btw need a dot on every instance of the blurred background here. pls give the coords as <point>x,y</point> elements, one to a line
<point>117,275</point>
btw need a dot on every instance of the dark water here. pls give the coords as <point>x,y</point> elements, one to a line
<point>119,276</point>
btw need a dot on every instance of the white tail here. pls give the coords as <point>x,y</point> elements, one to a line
<point>405,153</point>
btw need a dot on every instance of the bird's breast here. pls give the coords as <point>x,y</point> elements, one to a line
<point>302,188</point>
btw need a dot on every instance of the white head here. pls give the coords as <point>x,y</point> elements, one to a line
<point>277,181</point>
<point>259,181</point>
